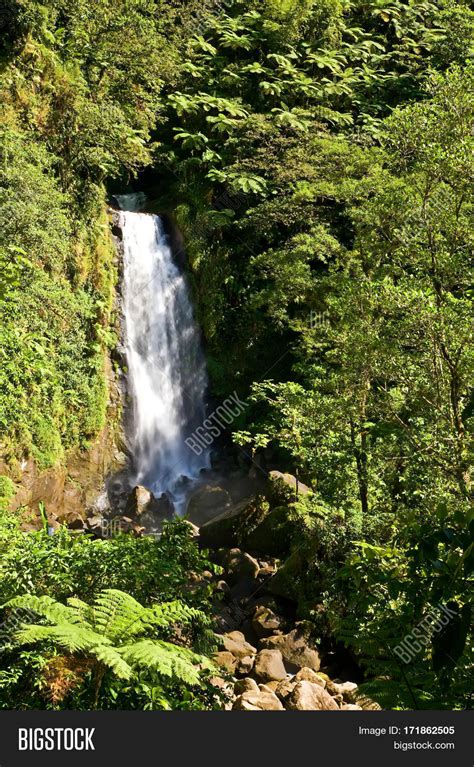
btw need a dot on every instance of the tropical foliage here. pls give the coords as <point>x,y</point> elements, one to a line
<point>318,155</point>
<point>114,636</point>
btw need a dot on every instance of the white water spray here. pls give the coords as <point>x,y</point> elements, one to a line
<point>166,369</point>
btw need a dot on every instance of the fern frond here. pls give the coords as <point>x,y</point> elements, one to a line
<point>71,638</point>
<point>47,607</point>
<point>110,657</point>
<point>98,633</point>
<point>118,615</point>
<point>166,659</point>
<point>84,611</point>
<point>169,613</point>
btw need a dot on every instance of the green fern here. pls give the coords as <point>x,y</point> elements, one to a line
<point>116,633</point>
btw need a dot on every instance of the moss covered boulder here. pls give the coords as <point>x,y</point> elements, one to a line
<point>273,534</point>
<point>252,526</point>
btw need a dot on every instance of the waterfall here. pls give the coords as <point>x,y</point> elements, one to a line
<point>166,369</point>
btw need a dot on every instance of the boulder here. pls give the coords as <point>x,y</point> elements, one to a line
<point>234,642</point>
<point>245,665</point>
<point>94,524</point>
<point>238,565</point>
<point>285,581</point>
<point>206,503</point>
<point>265,622</point>
<point>245,685</point>
<point>284,688</point>
<point>271,685</point>
<point>222,684</point>
<point>307,696</point>
<point>138,501</point>
<point>285,488</point>
<point>269,666</point>
<point>157,511</point>
<point>308,675</point>
<point>331,687</point>
<point>253,525</point>
<point>222,586</point>
<point>267,687</point>
<point>272,535</point>
<point>231,526</point>
<point>257,701</point>
<point>351,707</point>
<point>226,660</point>
<point>296,648</point>
<point>347,690</point>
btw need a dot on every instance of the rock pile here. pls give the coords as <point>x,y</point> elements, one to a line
<point>282,672</point>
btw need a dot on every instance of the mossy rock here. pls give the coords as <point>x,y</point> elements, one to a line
<point>285,582</point>
<point>284,488</point>
<point>7,491</point>
<point>251,526</point>
<point>273,535</point>
<point>232,526</point>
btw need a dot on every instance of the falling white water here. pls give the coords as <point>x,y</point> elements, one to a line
<point>166,369</point>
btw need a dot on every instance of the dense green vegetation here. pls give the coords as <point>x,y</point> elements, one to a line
<point>318,154</point>
<point>86,658</point>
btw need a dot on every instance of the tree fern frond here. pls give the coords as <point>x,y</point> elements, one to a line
<point>71,638</point>
<point>165,658</point>
<point>47,607</point>
<point>98,634</point>
<point>118,615</point>
<point>112,658</point>
<point>168,613</point>
<point>84,610</point>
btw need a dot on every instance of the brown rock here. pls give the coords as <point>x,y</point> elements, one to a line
<point>265,622</point>
<point>295,647</point>
<point>245,685</point>
<point>285,688</point>
<point>265,688</point>
<point>225,660</point>
<point>235,643</point>
<point>307,696</point>
<point>331,687</point>
<point>257,701</point>
<point>237,565</point>
<point>221,684</point>
<point>206,503</point>
<point>348,690</point>
<point>138,501</point>
<point>271,685</point>
<point>308,675</point>
<point>223,586</point>
<point>269,666</point>
<point>294,486</point>
<point>245,665</point>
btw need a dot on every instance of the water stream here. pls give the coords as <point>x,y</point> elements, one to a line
<point>166,369</point>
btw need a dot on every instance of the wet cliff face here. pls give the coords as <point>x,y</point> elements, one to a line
<point>69,492</point>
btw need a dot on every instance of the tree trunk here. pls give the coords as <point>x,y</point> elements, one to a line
<point>360,454</point>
